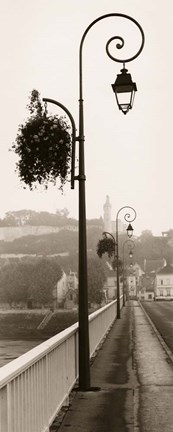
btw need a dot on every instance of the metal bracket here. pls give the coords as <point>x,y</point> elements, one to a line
<point>80,177</point>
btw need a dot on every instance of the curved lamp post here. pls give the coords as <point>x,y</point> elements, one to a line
<point>105,234</point>
<point>128,217</point>
<point>122,86</point>
<point>131,245</point>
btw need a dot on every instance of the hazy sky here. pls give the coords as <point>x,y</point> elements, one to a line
<point>129,158</point>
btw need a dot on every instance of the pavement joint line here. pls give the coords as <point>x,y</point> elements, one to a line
<point>136,383</point>
<point>161,340</point>
<point>155,385</point>
<point>120,386</point>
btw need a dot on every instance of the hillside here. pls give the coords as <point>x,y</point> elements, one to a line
<point>10,233</point>
<point>22,223</point>
<point>62,242</point>
<point>46,244</point>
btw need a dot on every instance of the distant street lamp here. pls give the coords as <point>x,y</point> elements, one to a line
<point>131,245</point>
<point>129,230</point>
<point>127,218</point>
<point>130,254</point>
<point>123,86</point>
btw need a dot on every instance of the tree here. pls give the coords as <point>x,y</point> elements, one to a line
<point>10,219</point>
<point>69,262</point>
<point>96,280</point>
<point>46,273</point>
<point>15,282</point>
<point>36,280</point>
<point>64,212</point>
<point>146,234</point>
<point>93,233</point>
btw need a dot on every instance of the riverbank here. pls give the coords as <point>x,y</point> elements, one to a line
<point>23,324</point>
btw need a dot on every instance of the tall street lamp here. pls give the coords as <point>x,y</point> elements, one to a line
<point>123,87</point>
<point>130,243</point>
<point>128,217</point>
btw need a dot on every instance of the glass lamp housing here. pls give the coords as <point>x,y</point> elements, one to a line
<point>129,230</point>
<point>124,89</point>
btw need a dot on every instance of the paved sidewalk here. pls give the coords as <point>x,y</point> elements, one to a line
<point>155,375</point>
<point>111,408</point>
<point>123,369</point>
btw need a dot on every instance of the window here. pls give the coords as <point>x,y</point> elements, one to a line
<point>168,292</point>
<point>161,281</point>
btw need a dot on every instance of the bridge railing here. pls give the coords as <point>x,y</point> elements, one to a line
<point>35,386</point>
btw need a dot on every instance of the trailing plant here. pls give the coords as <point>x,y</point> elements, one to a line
<point>106,245</point>
<point>43,145</point>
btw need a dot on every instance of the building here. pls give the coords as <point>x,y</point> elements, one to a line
<point>146,288</point>
<point>107,215</point>
<point>138,272</point>
<point>60,291</point>
<point>71,299</point>
<point>65,293</point>
<point>131,286</point>
<point>109,287</point>
<point>134,274</point>
<point>146,278</point>
<point>152,266</point>
<point>163,285</point>
<point>109,224</point>
<point>72,281</point>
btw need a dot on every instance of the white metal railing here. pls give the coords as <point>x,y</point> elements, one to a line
<point>37,384</point>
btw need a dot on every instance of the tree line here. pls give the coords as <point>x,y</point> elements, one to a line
<point>35,279</point>
<point>30,217</point>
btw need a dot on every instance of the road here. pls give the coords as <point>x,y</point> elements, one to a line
<point>161,314</point>
<point>154,371</point>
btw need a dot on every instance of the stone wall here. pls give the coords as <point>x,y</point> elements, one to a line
<point>11,233</point>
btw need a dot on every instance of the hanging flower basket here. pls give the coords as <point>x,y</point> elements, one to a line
<point>105,245</point>
<point>43,145</point>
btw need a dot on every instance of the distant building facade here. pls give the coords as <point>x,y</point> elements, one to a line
<point>131,286</point>
<point>163,286</point>
<point>148,279</point>
<point>60,291</point>
<point>134,275</point>
<point>146,287</point>
<point>110,287</point>
<point>65,294</point>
